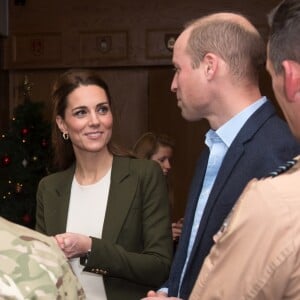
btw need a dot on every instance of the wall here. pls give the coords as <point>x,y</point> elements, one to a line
<point>127,42</point>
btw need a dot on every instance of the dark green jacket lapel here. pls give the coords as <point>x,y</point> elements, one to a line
<point>121,194</point>
<point>60,202</point>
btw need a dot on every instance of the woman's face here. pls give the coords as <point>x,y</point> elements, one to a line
<point>88,119</point>
<point>163,156</point>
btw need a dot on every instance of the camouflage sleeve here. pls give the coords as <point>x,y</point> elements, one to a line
<point>33,267</point>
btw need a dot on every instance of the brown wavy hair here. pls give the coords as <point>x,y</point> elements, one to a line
<point>149,142</point>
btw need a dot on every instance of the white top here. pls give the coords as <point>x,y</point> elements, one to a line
<point>86,216</point>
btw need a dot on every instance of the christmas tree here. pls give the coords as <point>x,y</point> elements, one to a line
<point>24,160</point>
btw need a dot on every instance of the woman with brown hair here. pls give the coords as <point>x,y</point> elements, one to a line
<point>109,212</point>
<point>159,148</point>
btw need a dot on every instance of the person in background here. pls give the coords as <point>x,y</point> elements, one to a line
<point>217,60</point>
<point>108,211</point>
<point>33,267</point>
<point>160,148</point>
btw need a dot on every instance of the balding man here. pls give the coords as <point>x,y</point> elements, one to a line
<point>217,60</point>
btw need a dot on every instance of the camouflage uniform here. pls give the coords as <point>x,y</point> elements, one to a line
<point>33,267</point>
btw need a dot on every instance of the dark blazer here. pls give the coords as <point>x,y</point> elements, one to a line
<point>135,251</point>
<point>262,144</point>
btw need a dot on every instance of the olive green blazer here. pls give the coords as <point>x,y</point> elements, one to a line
<point>135,251</point>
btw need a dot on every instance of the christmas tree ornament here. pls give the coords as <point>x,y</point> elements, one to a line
<point>6,160</point>
<point>24,163</point>
<point>44,143</point>
<point>27,87</point>
<point>19,187</point>
<point>24,131</point>
<point>26,219</point>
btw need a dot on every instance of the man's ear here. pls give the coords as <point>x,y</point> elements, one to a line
<point>292,80</point>
<point>210,61</point>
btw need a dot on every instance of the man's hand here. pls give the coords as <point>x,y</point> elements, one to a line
<point>152,295</point>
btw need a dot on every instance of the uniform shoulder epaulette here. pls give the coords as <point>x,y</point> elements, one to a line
<point>283,168</point>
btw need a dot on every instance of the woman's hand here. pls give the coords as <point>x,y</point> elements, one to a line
<point>73,244</point>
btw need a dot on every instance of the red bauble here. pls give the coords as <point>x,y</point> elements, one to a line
<point>6,160</point>
<point>25,131</point>
<point>44,143</point>
<point>26,219</point>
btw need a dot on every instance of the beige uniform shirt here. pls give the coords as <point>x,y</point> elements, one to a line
<point>257,251</point>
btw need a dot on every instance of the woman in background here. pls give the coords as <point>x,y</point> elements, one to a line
<point>109,212</point>
<point>160,148</point>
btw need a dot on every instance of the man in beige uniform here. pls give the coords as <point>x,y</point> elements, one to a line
<point>257,251</point>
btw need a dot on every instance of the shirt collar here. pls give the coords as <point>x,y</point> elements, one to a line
<point>228,131</point>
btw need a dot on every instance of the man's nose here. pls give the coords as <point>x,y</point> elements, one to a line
<point>174,84</point>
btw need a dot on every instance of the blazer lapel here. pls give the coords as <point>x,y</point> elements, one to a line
<point>180,254</point>
<point>60,203</point>
<point>122,190</point>
<point>194,194</point>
